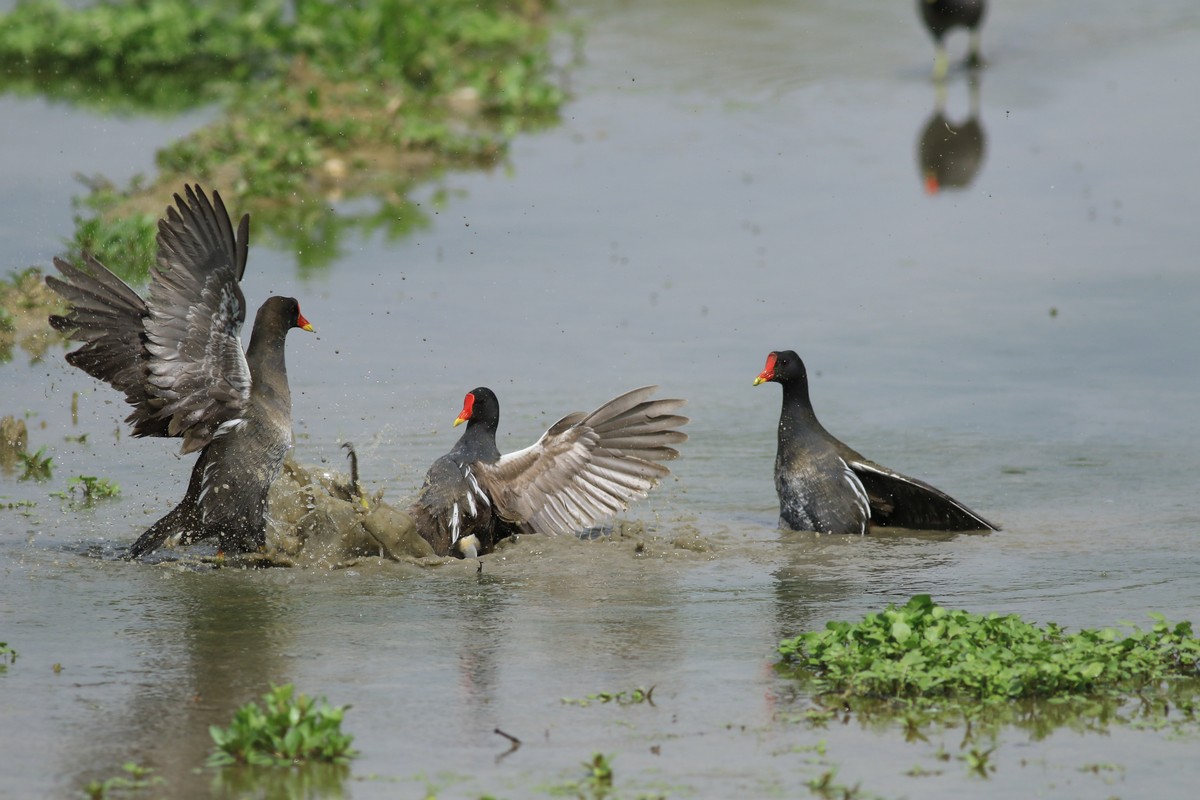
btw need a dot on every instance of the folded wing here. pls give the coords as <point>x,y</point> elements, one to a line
<point>900,501</point>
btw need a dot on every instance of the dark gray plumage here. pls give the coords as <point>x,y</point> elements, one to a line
<point>178,358</point>
<point>825,486</point>
<point>941,17</point>
<point>585,468</point>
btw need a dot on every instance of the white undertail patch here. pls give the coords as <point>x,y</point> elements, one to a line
<point>861,499</point>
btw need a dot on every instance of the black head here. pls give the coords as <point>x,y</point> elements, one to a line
<point>480,406</point>
<point>287,310</point>
<point>783,366</point>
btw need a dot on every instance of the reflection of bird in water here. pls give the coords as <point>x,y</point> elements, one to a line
<point>943,16</point>
<point>949,154</point>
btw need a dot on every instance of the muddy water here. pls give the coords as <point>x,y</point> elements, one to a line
<point>728,180</point>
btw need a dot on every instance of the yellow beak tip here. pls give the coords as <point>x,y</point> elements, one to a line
<point>309,328</point>
<point>458,422</point>
<point>758,380</point>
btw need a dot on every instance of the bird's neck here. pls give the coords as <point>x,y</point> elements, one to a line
<point>478,442</point>
<point>268,369</point>
<point>797,420</point>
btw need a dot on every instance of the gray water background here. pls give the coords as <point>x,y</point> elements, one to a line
<point>728,179</point>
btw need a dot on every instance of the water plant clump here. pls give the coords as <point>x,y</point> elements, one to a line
<point>288,729</point>
<point>921,653</point>
<point>37,466</point>
<point>323,102</point>
<point>24,303</point>
<point>621,698</point>
<point>90,489</point>
<point>134,778</point>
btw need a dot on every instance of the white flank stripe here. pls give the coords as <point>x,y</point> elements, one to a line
<point>860,495</point>
<point>229,425</point>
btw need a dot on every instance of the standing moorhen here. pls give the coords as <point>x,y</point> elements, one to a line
<point>825,486</point>
<point>585,468</point>
<point>178,358</point>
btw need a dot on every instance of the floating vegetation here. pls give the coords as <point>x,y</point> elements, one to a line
<point>597,782</point>
<point>922,652</point>
<point>25,302</point>
<point>288,729</point>
<point>37,466</point>
<point>7,656</point>
<point>89,489</point>
<point>633,697</point>
<point>14,439</point>
<point>134,778</point>
<point>922,664</point>
<point>322,102</point>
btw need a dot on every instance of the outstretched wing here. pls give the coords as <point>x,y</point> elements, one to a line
<point>109,318</point>
<point>901,501</point>
<point>195,365</point>
<point>177,358</point>
<point>586,468</point>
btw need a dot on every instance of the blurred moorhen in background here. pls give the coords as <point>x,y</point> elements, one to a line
<point>825,486</point>
<point>178,358</point>
<point>943,16</point>
<point>585,468</point>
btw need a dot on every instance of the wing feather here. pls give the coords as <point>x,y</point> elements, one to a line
<point>196,363</point>
<point>108,317</point>
<point>178,356</point>
<point>899,500</point>
<point>587,467</point>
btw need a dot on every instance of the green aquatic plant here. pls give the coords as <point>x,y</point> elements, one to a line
<point>596,783</point>
<point>25,301</point>
<point>7,656</point>
<point>135,779</point>
<point>37,466</point>
<point>622,698</point>
<point>920,666</point>
<point>322,103</point>
<point>825,786</point>
<point>90,489</point>
<point>93,488</point>
<point>287,729</point>
<point>922,653</point>
<point>598,780</point>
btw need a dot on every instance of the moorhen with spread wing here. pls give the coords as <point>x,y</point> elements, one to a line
<point>178,358</point>
<point>585,468</point>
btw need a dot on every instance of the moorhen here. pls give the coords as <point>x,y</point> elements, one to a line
<point>178,358</point>
<point>585,468</point>
<point>825,486</point>
<point>943,16</point>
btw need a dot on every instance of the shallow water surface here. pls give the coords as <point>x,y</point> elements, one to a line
<point>728,179</point>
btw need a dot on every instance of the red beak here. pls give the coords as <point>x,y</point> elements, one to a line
<point>768,372</point>
<point>468,406</point>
